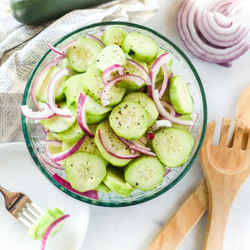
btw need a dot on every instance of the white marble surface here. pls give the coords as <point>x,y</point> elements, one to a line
<point>135,227</point>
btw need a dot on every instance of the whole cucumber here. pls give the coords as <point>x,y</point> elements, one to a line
<point>35,12</point>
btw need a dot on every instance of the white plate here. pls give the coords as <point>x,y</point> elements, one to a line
<point>19,173</point>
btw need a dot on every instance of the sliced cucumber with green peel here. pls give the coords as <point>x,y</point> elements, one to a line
<point>147,103</point>
<point>85,171</point>
<point>115,181</point>
<point>39,228</point>
<point>129,120</point>
<point>180,96</point>
<point>173,146</point>
<point>109,56</point>
<point>92,85</point>
<point>116,143</point>
<point>144,173</point>
<point>57,123</point>
<point>43,83</point>
<point>83,53</point>
<point>73,88</point>
<point>140,46</point>
<point>114,35</point>
<point>103,188</point>
<point>71,135</point>
<point>53,149</point>
<point>65,64</point>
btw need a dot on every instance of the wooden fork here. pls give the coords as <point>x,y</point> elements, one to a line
<point>225,169</point>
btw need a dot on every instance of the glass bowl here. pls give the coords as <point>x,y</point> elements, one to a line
<point>33,131</point>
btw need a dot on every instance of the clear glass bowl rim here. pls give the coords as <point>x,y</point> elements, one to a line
<point>143,199</point>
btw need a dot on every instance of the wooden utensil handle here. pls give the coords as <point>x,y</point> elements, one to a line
<point>182,222</point>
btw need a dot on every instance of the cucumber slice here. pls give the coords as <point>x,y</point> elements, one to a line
<point>73,134</point>
<point>39,228</point>
<point>141,47</point>
<point>160,75</point>
<point>91,119</point>
<point>57,123</point>
<point>103,188</point>
<point>85,171</point>
<point>144,173</point>
<point>92,84</point>
<point>183,117</point>
<point>83,53</point>
<point>180,96</point>
<point>115,181</point>
<point>109,56</point>
<point>53,149</point>
<point>129,120</point>
<point>146,103</point>
<point>173,146</point>
<point>114,35</point>
<point>65,64</point>
<point>73,88</point>
<point>116,143</point>
<point>43,83</point>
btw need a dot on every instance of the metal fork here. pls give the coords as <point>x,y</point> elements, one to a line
<point>21,207</point>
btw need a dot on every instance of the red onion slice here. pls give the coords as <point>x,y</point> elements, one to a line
<point>129,77</point>
<point>164,58</point>
<point>48,161</point>
<point>64,50</point>
<point>54,143</point>
<point>52,89</point>
<point>93,194</point>
<point>190,37</point>
<point>143,151</point>
<point>57,50</point>
<point>169,107</point>
<point>96,39</point>
<point>140,68</point>
<point>167,170</point>
<point>108,147</point>
<point>50,228</point>
<point>133,145</point>
<point>163,123</point>
<point>38,115</point>
<point>81,115</point>
<point>165,80</point>
<point>108,73</point>
<point>163,112</point>
<point>33,89</point>
<point>67,153</point>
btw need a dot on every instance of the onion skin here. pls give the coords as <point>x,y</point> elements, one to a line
<point>94,38</point>
<point>108,73</point>
<point>38,115</point>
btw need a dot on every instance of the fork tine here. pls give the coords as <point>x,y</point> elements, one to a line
<point>34,209</point>
<point>238,134</point>
<point>226,122</point>
<point>22,218</point>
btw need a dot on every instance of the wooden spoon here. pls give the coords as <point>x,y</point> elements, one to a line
<point>191,211</point>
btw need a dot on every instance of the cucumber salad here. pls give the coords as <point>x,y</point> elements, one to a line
<point>115,116</point>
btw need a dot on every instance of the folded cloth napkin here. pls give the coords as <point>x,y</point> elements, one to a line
<point>21,46</point>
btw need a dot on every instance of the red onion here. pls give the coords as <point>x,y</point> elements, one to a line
<point>54,143</point>
<point>81,115</point>
<point>52,89</point>
<point>163,123</point>
<point>143,151</point>
<point>65,48</point>
<point>200,48</point>
<point>167,170</point>
<point>33,89</point>
<point>96,39</point>
<point>140,68</point>
<point>130,143</point>
<point>165,80</point>
<point>169,107</point>
<point>108,73</point>
<point>50,228</point>
<point>57,50</point>
<point>65,154</point>
<point>108,147</point>
<point>143,140</point>
<point>162,59</point>
<point>151,135</point>
<point>163,112</point>
<point>48,161</point>
<point>93,194</point>
<point>38,115</point>
<point>129,77</point>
